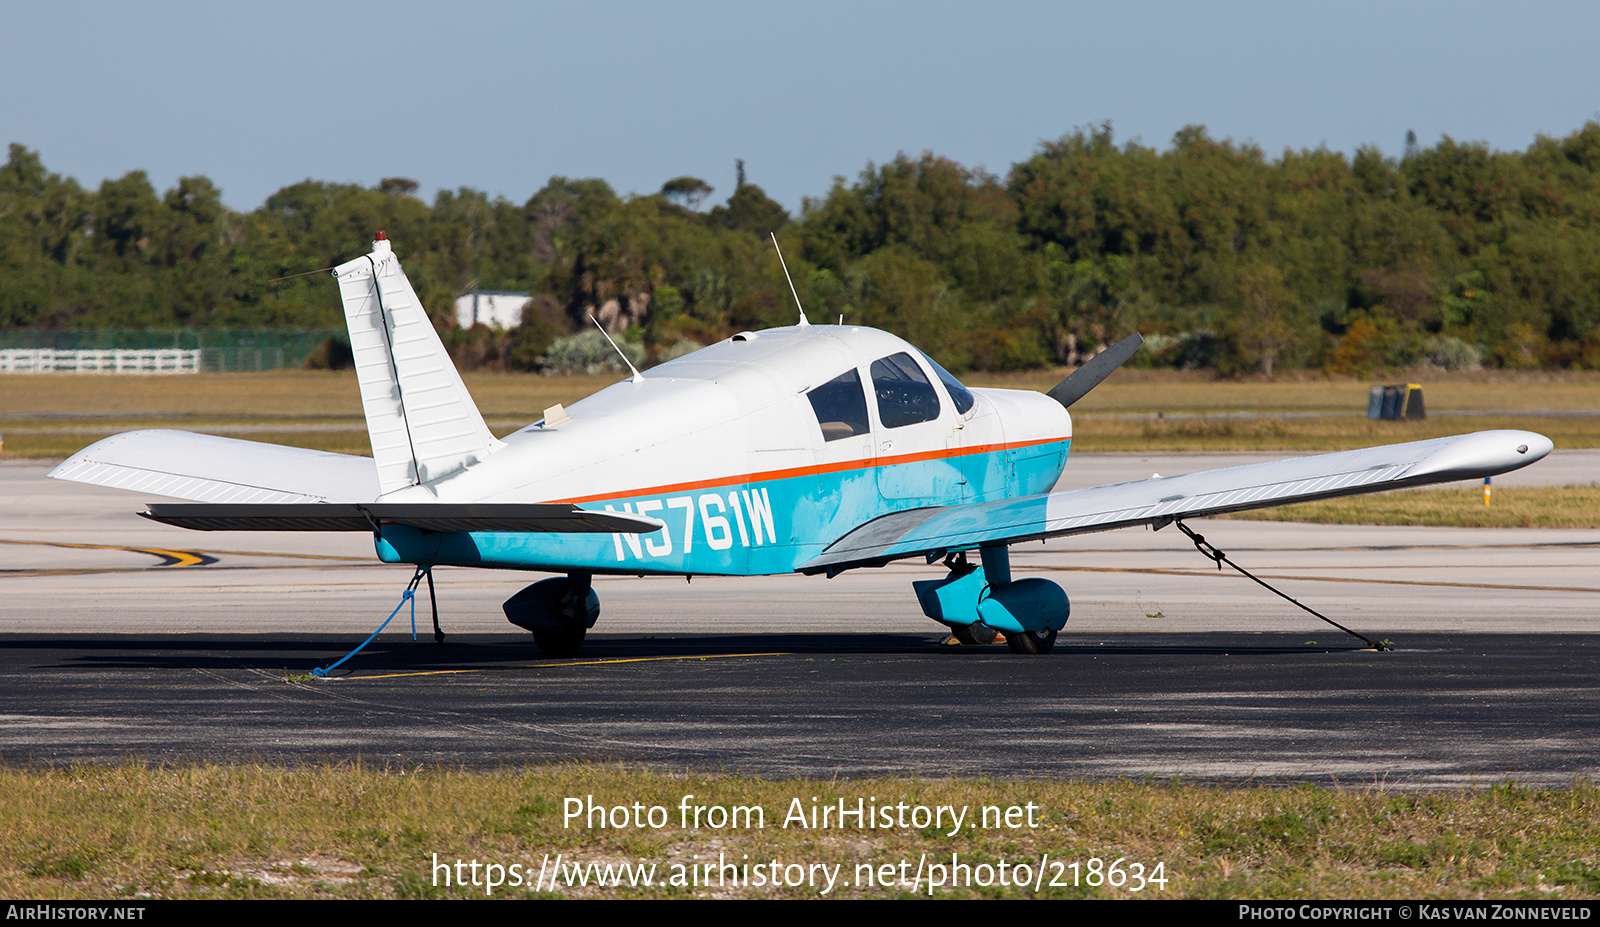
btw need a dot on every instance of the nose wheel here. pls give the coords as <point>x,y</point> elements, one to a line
<point>1030,612</point>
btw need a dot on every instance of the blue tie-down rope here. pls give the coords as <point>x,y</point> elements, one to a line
<point>410,595</point>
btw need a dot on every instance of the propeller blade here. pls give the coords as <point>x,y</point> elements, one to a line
<point>1102,365</point>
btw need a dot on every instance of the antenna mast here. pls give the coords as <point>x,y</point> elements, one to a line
<point>785,265</point>
<point>637,376</point>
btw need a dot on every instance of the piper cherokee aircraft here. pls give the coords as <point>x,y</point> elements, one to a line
<point>810,448</point>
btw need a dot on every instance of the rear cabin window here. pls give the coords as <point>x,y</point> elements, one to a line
<point>905,397</point>
<point>841,406</point>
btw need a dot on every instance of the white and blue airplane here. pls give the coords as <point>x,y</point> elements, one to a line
<point>810,448</point>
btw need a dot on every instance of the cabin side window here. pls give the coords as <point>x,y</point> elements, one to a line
<point>841,406</point>
<point>905,397</point>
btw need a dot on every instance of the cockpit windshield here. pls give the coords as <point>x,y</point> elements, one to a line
<point>959,394</point>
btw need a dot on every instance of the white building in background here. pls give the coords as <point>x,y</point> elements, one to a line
<point>494,308</point>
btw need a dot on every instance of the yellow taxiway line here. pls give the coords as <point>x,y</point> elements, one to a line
<point>170,558</point>
<point>485,669</point>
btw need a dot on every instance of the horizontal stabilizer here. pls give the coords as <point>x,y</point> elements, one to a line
<point>1159,501</point>
<point>539,518</point>
<point>206,468</point>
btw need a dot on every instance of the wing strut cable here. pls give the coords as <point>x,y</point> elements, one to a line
<point>409,595</point>
<point>1212,553</point>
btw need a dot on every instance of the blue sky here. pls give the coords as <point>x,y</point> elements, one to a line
<point>501,96</point>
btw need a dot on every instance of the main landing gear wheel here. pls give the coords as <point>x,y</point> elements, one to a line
<point>975,634</point>
<point>559,612</point>
<point>1031,641</point>
<point>560,642</point>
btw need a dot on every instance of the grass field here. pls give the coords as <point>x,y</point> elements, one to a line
<point>1511,507</point>
<point>1195,391</point>
<point>1104,433</point>
<point>1101,422</point>
<point>51,416</point>
<point>286,395</point>
<point>349,832</point>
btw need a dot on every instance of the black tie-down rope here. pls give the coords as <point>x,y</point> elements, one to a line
<point>1211,552</point>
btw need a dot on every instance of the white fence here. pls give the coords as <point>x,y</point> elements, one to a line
<point>46,360</point>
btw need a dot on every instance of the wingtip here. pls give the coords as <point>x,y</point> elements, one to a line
<point>1487,453</point>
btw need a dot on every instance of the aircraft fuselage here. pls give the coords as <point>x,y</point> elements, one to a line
<point>802,454</point>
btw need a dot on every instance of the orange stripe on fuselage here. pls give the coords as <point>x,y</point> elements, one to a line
<point>793,472</point>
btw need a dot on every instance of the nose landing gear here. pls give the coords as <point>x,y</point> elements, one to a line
<point>977,602</point>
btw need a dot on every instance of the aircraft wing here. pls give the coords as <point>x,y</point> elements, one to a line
<point>206,468</point>
<point>556,518</point>
<point>1161,500</point>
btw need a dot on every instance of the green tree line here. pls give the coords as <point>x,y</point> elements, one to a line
<point>1454,255</point>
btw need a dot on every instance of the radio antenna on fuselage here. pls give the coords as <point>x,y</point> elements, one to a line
<point>637,376</point>
<point>785,265</point>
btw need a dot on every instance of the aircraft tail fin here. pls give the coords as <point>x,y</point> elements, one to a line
<point>420,418</point>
